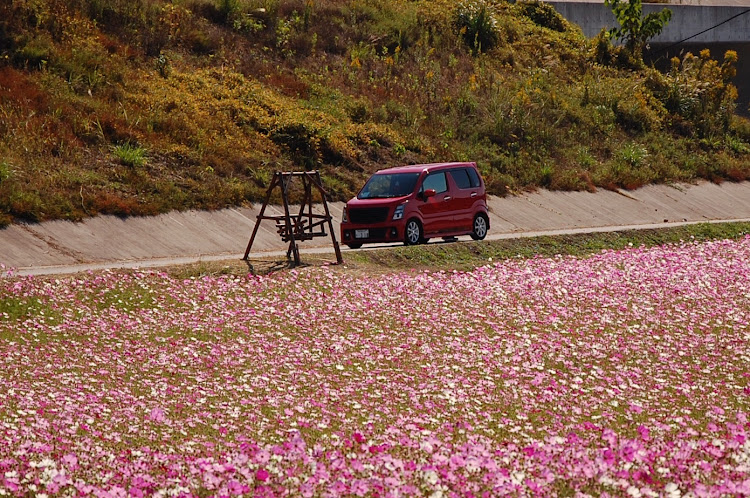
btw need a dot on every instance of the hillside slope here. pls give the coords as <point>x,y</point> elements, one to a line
<point>140,107</point>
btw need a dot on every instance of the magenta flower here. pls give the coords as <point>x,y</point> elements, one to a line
<point>262,475</point>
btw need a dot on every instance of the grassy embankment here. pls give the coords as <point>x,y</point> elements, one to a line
<point>139,107</point>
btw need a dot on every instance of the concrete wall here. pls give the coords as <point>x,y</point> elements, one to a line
<point>186,237</point>
<point>687,20</point>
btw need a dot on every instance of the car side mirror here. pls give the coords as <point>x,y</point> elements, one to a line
<point>430,192</point>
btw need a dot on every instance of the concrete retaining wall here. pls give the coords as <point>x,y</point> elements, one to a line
<point>181,237</point>
<point>687,20</point>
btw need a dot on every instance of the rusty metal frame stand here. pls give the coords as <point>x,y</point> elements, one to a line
<point>305,225</point>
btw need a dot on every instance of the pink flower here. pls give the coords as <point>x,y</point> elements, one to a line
<point>643,432</point>
<point>261,475</point>
<point>157,415</point>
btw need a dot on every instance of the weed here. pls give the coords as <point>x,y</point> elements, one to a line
<point>162,66</point>
<point>633,154</point>
<point>6,171</point>
<point>735,144</point>
<point>130,155</point>
<point>584,157</point>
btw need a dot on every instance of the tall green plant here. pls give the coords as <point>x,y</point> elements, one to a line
<point>636,29</point>
<point>477,25</point>
<point>700,90</point>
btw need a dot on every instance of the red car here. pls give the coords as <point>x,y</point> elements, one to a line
<point>410,204</point>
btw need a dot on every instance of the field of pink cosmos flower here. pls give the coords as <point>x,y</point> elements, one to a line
<point>621,374</point>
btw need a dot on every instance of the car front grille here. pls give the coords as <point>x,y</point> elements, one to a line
<point>377,233</point>
<point>368,215</point>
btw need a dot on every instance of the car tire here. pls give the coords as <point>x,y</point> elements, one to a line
<point>413,233</point>
<point>480,227</point>
<point>355,245</point>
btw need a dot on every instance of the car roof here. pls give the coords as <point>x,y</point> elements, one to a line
<point>418,168</point>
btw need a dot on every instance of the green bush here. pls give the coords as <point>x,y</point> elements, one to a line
<point>229,10</point>
<point>638,112</point>
<point>33,52</point>
<point>301,141</point>
<point>604,52</point>
<point>543,14</point>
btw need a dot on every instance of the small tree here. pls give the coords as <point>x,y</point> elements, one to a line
<point>636,30</point>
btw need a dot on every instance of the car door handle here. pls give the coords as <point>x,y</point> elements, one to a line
<point>447,198</point>
<point>473,194</point>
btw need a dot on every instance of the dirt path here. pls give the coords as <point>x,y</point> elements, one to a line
<point>192,236</point>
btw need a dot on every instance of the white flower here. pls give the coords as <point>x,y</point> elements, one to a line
<point>634,492</point>
<point>672,490</point>
<point>431,477</point>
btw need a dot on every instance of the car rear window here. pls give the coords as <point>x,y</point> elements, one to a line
<point>474,176</point>
<point>461,177</point>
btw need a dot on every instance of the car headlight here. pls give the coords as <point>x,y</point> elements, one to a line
<point>399,212</point>
<point>344,216</point>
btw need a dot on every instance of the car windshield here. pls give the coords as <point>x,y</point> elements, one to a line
<point>385,185</point>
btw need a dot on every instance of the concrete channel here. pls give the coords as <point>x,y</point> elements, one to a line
<point>192,236</point>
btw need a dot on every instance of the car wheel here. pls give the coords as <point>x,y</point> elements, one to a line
<point>355,245</point>
<point>412,233</point>
<point>480,227</point>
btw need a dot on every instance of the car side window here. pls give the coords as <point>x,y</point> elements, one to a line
<point>461,177</point>
<point>436,181</point>
<point>474,176</point>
